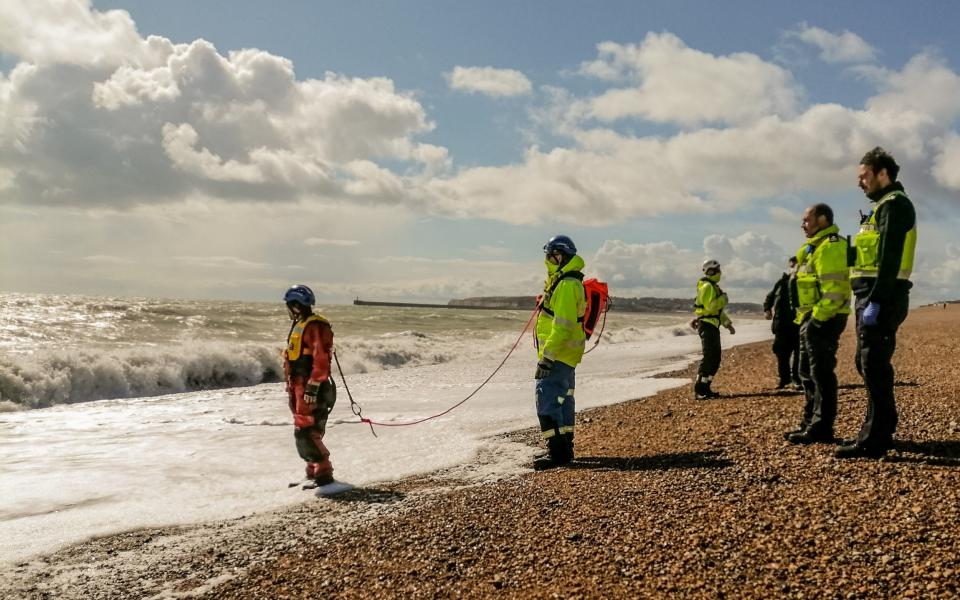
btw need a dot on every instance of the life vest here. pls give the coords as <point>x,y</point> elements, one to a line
<point>823,283</point>
<point>720,303</point>
<point>867,244</point>
<point>597,296</point>
<point>299,357</point>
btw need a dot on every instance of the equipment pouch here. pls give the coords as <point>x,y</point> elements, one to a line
<point>867,245</point>
<point>328,396</point>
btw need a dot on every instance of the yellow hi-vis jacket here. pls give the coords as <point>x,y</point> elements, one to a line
<point>560,335</point>
<point>823,278</point>
<point>867,243</point>
<point>710,302</point>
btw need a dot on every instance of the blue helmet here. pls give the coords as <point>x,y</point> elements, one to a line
<point>300,294</point>
<point>560,243</point>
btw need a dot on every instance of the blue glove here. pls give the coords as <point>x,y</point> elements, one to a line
<point>870,314</point>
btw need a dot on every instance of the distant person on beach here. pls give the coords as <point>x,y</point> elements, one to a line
<point>560,346</point>
<point>710,315</point>
<point>311,391</point>
<point>780,307</point>
<point>880,277</point>
<point>823,303</point>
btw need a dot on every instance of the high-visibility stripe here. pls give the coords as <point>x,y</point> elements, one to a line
<point>834,276</point>
<point>549,433</point>
<point>861,273</point>
<point>835,296</point>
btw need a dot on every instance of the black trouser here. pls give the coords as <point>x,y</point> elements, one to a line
<point>710,343</point>
<point>818,362</point>
<point>786,346</point>
<point>875,348</point>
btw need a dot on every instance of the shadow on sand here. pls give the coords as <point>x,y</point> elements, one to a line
<point>369,496</point>
<point>934,452</point>
<point>661,462</point>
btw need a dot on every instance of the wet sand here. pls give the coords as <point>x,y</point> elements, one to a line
<point>668,497</point>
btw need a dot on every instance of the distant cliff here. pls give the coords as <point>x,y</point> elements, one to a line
<point>657,305</point>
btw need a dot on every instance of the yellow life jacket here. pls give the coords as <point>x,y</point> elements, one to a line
<point>867,243</point>
<point>294,340</point>
<point>823,283</point>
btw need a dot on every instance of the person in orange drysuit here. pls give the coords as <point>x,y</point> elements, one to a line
<point>310,388</point>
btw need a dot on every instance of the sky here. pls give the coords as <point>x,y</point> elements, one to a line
<point>426,150</point>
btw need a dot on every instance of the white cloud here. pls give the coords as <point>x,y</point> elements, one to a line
<point>67,31</point>
<point>314,241</point>
<point>925,86</point>
<point>111,124</point>
<point>219,262</point>
<point>489,81</point>
<point>945,166</point>
<point>656,265</point>
<point>781,214</point>
<point>106,259</point>
<point>843,47</point>
<point>750,261</point>
<point>678,84</point>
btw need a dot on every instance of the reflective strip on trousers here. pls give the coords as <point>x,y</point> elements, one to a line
<point>557,430</point>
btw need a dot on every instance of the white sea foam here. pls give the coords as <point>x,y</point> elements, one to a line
<point>82,376</point>
<point>65,349</point>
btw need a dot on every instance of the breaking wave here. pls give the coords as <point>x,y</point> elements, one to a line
<point>68,377</point>
<point>47,378</point>
<point>62,377</point>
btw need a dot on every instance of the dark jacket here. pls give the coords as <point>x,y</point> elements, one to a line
<point>894,219</point>
<point>782,300</point>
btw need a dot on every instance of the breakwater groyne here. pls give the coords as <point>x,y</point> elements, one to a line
<point>359,302</point>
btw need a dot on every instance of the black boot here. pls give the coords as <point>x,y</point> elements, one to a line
<point>559,455</point>
<point>701,389</point>
<point>710,392</point>
<point>568,439</point>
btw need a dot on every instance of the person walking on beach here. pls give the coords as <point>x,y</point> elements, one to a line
<point>311,391</point>
<point>780,307</point>
<point>823,303</point>
<point>880,275</point>
<point>560,345</point>
<point>710,315</point>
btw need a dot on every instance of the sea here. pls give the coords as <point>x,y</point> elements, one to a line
<point>121,413</point>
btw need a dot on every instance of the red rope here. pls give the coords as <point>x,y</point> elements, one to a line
<point>371,422</point>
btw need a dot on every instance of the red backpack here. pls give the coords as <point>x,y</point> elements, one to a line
<point>598,302</point>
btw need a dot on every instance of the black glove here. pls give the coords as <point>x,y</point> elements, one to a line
<point>310,393</point>
<point>543,368</point>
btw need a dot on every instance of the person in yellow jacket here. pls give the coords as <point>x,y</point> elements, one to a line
<point>560,345</point>
<point>823,303</point>
<point>710,312</point>
<point>880,276</point>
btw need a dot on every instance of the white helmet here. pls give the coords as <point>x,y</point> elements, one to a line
<point>710,264</point>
